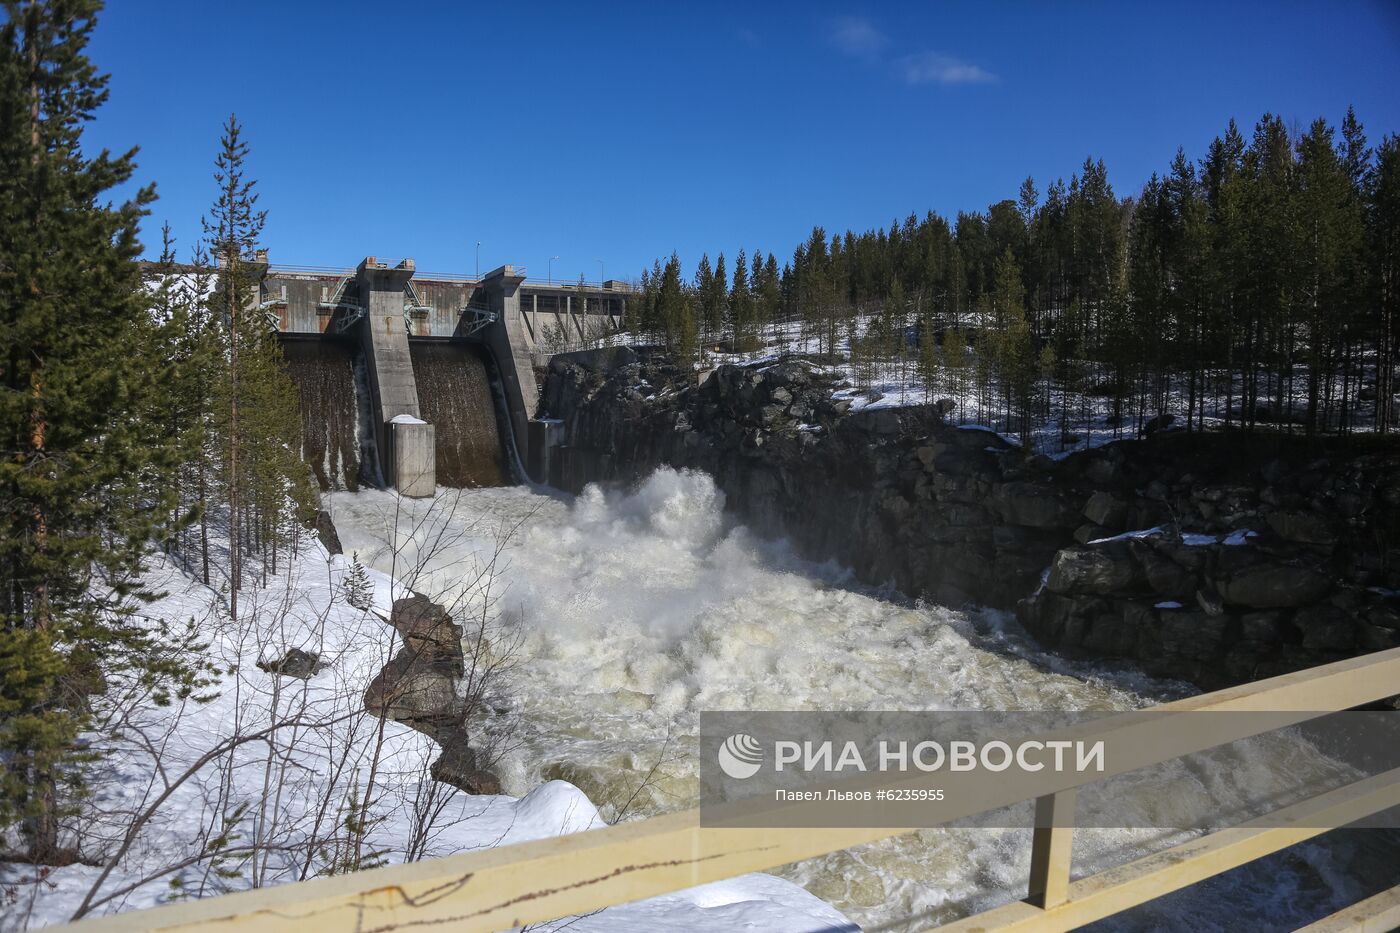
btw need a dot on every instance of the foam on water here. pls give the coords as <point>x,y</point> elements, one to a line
<point>638,610</point>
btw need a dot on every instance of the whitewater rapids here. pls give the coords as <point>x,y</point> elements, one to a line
<point>627,613</point>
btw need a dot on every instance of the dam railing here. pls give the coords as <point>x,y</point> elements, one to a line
<point>509,886</point>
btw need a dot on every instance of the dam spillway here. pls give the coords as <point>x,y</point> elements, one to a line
<point>454,395</point>
<point>323,371</point>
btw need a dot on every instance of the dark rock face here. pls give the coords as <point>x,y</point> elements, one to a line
<point>1261,538</point>
<point>295,663</point>
<point>325,531</point>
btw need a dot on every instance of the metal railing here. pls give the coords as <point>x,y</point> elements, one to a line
<point>510,886</point>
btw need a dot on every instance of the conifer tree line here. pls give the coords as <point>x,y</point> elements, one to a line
<point>135,416</point>
<point>1254,286</point>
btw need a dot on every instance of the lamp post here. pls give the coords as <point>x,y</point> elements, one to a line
<point>551,269</point>
<point>602,272</point>
<point>478,260</point>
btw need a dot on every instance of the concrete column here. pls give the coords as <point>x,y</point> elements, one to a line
<point>415,457</point>
<point>386,351</point>
<point>510,344</point>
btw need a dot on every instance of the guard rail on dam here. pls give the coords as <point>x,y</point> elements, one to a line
<point>536,881</point>
<point>380,406</point>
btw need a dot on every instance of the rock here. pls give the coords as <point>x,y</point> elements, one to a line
<point>1274,586</point>
<point>426,627</point>
<point>1210,603</point>
<point>1166,577</point>
<point>1326,629</point>
<point>1158,424</point>
<point>295,663</point>
<point>1106,509</point>
<point>1090,532</point>
<point>1102,569</point>
<point>1302,527</point>
<point>1101,471</point>
<point>1193,634</point>
<point>457,765</point>
<point>326,533</point>
<point>944,407</point>
<point>413,688</point>
<point>926,456</point>
<point>1033,506</point>
<point>1260,630</point>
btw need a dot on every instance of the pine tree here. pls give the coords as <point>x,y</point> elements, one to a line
<point>257,422</point>
<point>741,306</point>
<point>704,290</point>
<point>670,298</point>
<point>716,302</point>
<point>1383,247</point>
<point>87,473</point>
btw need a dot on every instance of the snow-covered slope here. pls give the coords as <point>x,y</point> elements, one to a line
<point>278,806</point>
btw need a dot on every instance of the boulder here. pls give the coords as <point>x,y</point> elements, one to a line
<point>1274,586</point>
<point>1158,424</point>
<point>1101,570</point>
<point>1302,527</point>
<point>326,533</point>
<point>1033,506</point>
<point>1166,577</point>
<point>295,663</point>
<point>414,688</point>
<point>1104,508</point>
<point>426,627</point>
<point>458,766</point>
<point>1326,629</point>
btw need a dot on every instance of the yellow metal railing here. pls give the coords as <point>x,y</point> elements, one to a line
<point>495,889</point>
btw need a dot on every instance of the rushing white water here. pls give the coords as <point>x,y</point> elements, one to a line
<point>635,611</point>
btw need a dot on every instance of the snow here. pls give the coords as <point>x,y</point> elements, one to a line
<point>316,767</point>
<point>1189,538</point>
<point>1240,537</point>
<point>1169,604</point>
<point>406,419</point>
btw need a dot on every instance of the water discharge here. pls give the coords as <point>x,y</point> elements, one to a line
<point>323,371</point>
<point>637,610</point>
<point>454,395</point>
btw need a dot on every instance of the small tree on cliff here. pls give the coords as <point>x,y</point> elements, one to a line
<point>87,471</point>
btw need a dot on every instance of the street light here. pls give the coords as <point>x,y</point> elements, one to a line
<point>602,273</point>
<point>551,269</point>
<point>478,260</point>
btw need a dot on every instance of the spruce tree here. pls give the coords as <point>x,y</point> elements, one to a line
<point>741,306</point>
<point>87,474</point>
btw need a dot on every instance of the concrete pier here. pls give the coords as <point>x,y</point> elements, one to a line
<point>386,351</point>
<point>415,457</point>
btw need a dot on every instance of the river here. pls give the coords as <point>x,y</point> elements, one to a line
<point>624,614</point>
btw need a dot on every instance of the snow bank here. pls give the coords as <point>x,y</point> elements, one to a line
<point>327,763</point>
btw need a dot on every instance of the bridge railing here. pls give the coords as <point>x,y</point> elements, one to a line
<point>510,886</point>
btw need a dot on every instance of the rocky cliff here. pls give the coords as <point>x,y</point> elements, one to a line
<point>1206,557</point>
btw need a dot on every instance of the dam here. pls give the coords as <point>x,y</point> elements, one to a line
<point>418,380</point>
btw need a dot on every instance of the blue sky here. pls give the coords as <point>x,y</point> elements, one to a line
<point>620,131</point>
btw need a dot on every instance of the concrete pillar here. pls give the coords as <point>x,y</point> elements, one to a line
<point>546,434</point>
<point>386,351</point>
<point>415,457</point>
<point>510,344</point>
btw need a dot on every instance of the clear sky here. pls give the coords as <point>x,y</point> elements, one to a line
<point>620,131</point>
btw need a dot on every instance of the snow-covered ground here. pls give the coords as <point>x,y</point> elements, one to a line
<point>278,806</point>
